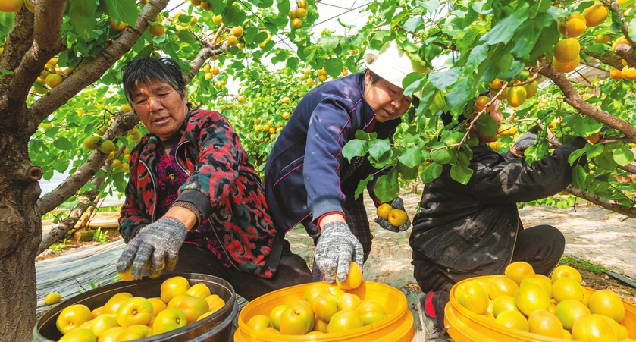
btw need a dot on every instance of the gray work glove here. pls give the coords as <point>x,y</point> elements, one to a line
<point>384,223</point>
<point>527,139</point>
<point>335,250</point>
<point>156,244</point>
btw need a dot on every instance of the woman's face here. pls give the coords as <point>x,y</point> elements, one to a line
<point>160,107</point>
<point>386,99</point>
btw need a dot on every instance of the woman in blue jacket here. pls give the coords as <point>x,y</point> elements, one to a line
<point>309,181</point>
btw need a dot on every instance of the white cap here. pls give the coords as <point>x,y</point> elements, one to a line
<point>392,64</point>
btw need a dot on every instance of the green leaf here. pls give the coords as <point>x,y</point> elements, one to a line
<point>251,33</point>
<point>505,29</point>
<point>362,186</point>
<point>431,172</point>
<point>412,157</point>
<point>460,93</point>
<point>123,10</point>
<point>623,156</point>
<point>82,17</point>
<point>292,63</point>
<point>514,70</point>
<point>413,23</point>
<point>430,5</point>
<point>441,156</point>
<point>387,187</point>
<point>63,144</point>
<point>476,57</point>
<point>593,150</point>
<point>574,156</point>
<point>461,173</point>
<point>186,37</point>
<point>377,148</point>
<point>606,161</point>
<point>355,148</point>
<point>443,80</point>
<point>578,177</point>
<point>416,86</point>
<point>233,16</point>
<point>328,43</point>
<point>631,30</point>
<point>504,62</point>
<point>486,125</point>
<point>333,67</point>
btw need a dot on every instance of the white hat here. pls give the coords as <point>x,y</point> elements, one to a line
<point>392,64</point>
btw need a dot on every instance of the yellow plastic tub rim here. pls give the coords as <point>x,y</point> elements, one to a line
<point>467,326</point>
<point>397,326</point>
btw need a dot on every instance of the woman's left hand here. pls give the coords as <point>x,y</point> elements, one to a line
<point>397,203</point>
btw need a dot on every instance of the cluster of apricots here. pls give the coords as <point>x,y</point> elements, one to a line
<point>125,317</point>
<point>558,307</point>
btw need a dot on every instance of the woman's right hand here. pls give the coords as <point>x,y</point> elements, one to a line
<point>335,250</point>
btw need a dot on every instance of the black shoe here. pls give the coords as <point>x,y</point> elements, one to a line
<point>432,333</point>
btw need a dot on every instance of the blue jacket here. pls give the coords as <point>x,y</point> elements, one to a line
<point>306,174</point>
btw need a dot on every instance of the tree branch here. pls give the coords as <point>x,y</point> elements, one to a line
<point>613,5</point>
<point>18,42</point>
<point>607,58</point>
<point>573,99</point>
<point>628,53</point>
<point>95,69</point>
<point>631,168</point>
<point>605,203</point>
<point>47,41</point>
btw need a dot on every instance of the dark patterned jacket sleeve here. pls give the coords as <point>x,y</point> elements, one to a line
<point>218,163</point>
<point>132,218</point>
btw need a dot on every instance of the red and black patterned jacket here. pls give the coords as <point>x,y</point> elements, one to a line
<point>222,184</point>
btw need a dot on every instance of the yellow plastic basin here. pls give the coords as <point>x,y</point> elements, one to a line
<point>397,327</point>
<point>467,326</point>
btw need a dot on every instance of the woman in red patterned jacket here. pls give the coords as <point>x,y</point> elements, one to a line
<point>193,196</point>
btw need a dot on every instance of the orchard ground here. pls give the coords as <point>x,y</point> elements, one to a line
<point>593,234</point>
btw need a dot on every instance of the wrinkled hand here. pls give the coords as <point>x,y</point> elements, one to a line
<point>397,203</point>
<point>527,139</point>
<point>157,244</point>
<point>335,250</point>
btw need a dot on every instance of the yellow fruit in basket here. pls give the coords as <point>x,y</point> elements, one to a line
<point>565,271</point>
<point>174,302</point>
<point>134,332</point>
<point>586,297</point>
<point>157,305</point>
<point>111,306</point>
<point>167,320</point>
<point>502,286</point>
<point>608,303</point>
<point>79,335</point>
<point>320,326</point>
<point>214,302</point>
<point>517,271</point>
<point>134,311</point>
<point>111,334</point>
<point>349,301</point>
<point>567,288</point>
<point>544,323</point>
<point>484,282</point>
<point>97,311</point>
<point>314,290</point>
<point>512,320</point>
<point>193,307</point>
<point>336,291</point>
<point>274,315</point>
<point>472,296</point>
<point>199,290</point>
<point>73,317</point>
<point>344,320</point>
<point>531,297</point>
<point>297,319</point>
<point>370,312</point>
<point>567,335</point>
<point>568,311</point>
<point>101,324</point>
<point>619,330</point>
<point>354,278</point>
<point>541,280</point>
<point>383,210</point>
<point>270,331</point>
<point>503,303</point>
<point>324,305</point>
<point>173,287</point>
<point>259,322</point>
<point>52,298</point>
<point>593,328</point>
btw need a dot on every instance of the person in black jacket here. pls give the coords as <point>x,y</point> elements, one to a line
<point>470,230</point>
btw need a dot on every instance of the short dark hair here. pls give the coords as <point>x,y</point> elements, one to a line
<point>374,77</point>
<point>147,69</point>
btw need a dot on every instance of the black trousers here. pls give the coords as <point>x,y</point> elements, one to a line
<point>541,246</point>
<point>292,270</point>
